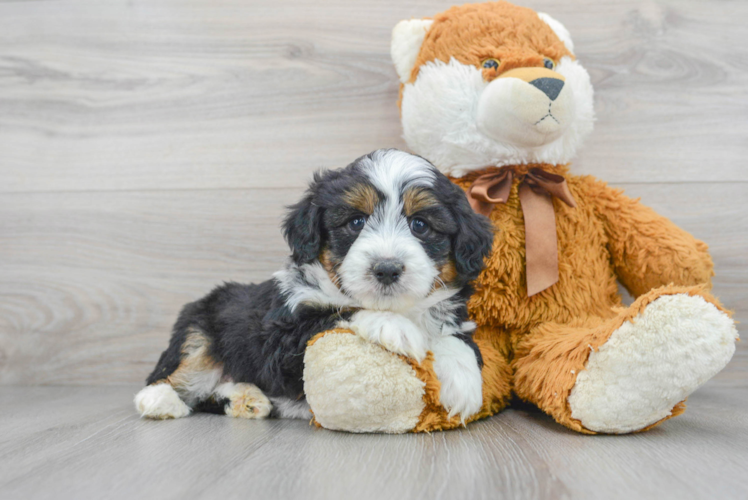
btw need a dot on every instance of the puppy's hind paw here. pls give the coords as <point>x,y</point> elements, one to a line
<point>245,400</point>
<point>160,402</point>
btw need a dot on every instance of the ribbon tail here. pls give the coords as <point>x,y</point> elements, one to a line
<point>541,245</point>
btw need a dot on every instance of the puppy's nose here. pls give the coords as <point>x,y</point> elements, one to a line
<point>388,271</point>
<point>549,86</point>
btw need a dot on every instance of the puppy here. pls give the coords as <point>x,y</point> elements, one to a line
<point>387,247</point>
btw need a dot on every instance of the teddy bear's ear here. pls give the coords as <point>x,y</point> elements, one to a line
<point>407,37</point>
<point>559,29</point>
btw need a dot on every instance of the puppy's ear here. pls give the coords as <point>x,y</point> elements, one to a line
<point>474,237</point>
<point>302,227</point>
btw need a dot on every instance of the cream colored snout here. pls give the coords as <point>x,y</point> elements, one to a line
<point>526,107</point>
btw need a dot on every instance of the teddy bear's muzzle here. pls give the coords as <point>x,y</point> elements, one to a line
<point>526,107</point>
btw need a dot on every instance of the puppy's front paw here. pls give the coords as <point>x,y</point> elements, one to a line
<point>244,400</point>
<point>392,331</point>
<point>457,369</point>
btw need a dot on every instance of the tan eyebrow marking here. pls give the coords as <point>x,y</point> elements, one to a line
<point>417,199</point>
<point>362,197</point>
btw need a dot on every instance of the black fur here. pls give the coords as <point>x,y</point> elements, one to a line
<point>319,219</point>
<point>253,334</point>
<point>212,405</point>
<point>302,229</point>
<point>474,237</point>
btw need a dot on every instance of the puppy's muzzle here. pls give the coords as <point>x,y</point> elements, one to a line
<point>388,271</point>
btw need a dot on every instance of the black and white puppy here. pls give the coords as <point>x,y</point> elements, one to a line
<point>387,246</point>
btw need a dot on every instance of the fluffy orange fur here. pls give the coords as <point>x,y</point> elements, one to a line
<point>514,35</point>
<point>546,338</point>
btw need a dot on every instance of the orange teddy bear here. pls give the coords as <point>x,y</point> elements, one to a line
<point>493,96</point>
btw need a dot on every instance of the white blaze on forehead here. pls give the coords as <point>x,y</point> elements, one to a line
<point>392,172</point>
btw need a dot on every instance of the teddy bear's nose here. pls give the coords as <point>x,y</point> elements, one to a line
<point>549,86</point>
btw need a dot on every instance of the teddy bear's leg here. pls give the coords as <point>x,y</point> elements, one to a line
<point>356,386</point>
<point>629,372</point>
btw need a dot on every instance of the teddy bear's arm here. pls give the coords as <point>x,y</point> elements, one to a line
<point>647,249</point>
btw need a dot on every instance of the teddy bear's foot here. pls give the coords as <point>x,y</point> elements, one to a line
<point>650,364</point>
<point>356,386</point>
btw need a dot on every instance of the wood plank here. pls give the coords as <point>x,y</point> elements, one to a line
<point>215,94</point>
<point>91,282</point>
<point>96,446</point>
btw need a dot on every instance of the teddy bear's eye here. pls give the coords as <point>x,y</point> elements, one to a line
<point>548,63</point>
<point>490,63</point>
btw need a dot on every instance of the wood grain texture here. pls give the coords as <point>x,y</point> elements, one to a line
<point>92,282</point>
<point>213,94</point>
<point>147,149</point>
<point>79,442</point>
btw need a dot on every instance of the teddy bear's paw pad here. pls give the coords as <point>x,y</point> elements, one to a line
<point>649,365</point>
<point>356,386</point>
<point>160,402</point>
<point>246,401</point>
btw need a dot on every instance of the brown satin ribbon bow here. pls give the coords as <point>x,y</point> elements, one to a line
<point>535,192</point>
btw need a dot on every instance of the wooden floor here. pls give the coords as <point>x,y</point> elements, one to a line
<point>147,149</point>
<point>87,442</point>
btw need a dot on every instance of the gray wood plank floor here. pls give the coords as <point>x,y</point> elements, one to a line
<point>87,442</point>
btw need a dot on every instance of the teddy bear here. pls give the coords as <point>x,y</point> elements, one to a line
<point>494,97</point>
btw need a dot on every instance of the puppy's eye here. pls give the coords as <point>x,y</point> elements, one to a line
<point>548,63</point>
<point>490,63</point>
<point>357,224</point>
<point>419,226</point>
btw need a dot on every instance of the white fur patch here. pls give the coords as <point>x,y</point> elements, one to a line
<point>289,408</point>
<point>310,284</point>
<point>456,368</point>
<point>198,385</point>
<point>393,171</point>
<point>647,366</point>
<point>407,38</point>
<point>356,386</point>
<point>392,331</point>
<point>160,401</point>
<point>440,113</point>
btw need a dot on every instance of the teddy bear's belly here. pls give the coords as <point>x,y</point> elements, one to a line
<point>586,287</point>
